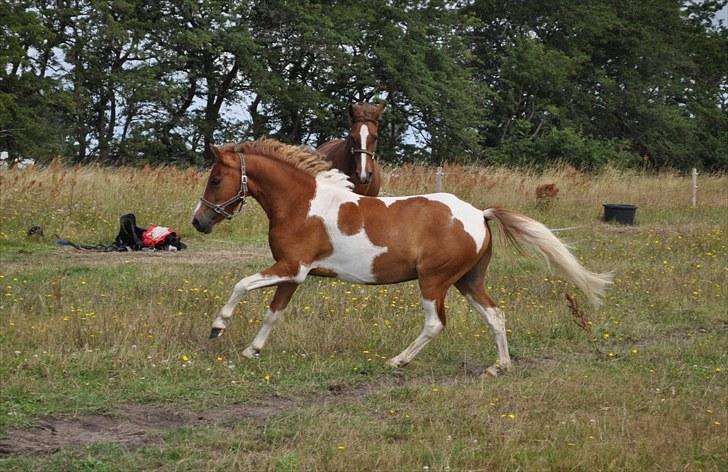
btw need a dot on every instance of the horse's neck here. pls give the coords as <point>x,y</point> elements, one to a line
<point>278,187</point>
<point>340,155</point>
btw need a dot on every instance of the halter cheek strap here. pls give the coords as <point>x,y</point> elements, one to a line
<point>219,208</point>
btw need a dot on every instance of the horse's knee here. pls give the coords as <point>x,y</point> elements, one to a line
<point>433,328</point>
<point>241,287</point>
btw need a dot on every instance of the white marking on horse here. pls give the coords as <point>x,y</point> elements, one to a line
<point>353,256</point>
<point>363,135</point>
<point>259,341</point>
<point>335,178</point>
<point>194,212</point>
<point>493,316</point>
<point>470,217</point>
<point>247,284</point>
<point>432,328</point>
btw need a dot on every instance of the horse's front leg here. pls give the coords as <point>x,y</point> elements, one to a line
<point>283,295</point>
<point>277,274</point>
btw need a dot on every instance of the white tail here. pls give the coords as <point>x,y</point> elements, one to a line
<point>516,228</point>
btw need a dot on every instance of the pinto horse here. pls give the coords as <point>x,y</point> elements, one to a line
<point>354,156</point>
<point>318,226</point>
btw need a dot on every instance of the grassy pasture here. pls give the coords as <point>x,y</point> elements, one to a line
<point>101,337</point>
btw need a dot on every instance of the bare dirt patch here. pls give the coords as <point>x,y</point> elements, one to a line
<point>134,425</point>
<point>131,425</point>
<point>189,256</point>
<point>193,256</point>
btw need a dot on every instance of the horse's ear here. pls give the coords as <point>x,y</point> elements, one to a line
<point>351,113</point>
<point>380,107</point>
<point>215,151</point>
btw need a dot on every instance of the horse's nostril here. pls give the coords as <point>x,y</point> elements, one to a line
<point>196,223</point>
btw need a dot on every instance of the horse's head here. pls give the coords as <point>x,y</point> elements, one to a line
<point>225,192</point>
<point>364,119</point>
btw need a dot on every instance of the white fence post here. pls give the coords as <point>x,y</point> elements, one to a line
<point>694,173</point>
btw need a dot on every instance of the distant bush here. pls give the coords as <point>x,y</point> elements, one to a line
<point>565,146</point>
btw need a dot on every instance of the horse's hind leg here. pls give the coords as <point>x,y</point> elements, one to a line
<point>471,286</point>
<point>434,317</point>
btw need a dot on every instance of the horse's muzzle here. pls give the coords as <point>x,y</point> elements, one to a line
<point>202,228</point>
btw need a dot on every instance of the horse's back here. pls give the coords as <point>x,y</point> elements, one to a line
<point>435,216</point>
<point>332,149</point>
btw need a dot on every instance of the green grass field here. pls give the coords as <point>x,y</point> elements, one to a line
<point>106,363</point>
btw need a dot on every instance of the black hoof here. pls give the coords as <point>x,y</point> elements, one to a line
<point>216,333</point>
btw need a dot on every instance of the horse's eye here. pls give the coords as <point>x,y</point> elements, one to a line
<point>215,180</point>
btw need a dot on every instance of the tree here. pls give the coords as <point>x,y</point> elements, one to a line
<point>33,113</point>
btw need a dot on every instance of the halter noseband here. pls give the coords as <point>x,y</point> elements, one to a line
<point>219,208</point>
<point>360,151</point>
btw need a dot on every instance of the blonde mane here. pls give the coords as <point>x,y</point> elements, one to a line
<point>308,161</point>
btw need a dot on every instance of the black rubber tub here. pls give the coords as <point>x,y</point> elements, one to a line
<point>620,212</point>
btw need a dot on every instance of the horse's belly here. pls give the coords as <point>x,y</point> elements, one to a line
<point>351,265</point>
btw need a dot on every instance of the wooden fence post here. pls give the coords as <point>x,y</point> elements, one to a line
<point>438,179</point>
<point>694,173</point>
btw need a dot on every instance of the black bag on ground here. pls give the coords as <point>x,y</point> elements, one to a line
<point>130,235</point>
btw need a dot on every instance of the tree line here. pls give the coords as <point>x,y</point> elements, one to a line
<point>586,82</point>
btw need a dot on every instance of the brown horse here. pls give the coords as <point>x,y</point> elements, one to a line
<point>354,156</point>
<point>318,226</point>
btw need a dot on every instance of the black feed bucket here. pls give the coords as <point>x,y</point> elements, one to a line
<point>619,212</point>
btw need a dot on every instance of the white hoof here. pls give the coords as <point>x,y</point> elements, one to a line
<point>495,370</point>
<point>490,372</point>
<point>251,353</point>
<point>396,363</point>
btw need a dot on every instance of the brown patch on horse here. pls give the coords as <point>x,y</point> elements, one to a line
<point>332,148</point>
<point>324,273</point>
<point>310,241</point>
<point>349,221</point>
<point>401,261</point>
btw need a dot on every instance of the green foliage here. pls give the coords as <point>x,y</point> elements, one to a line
<point>629,83</point>
<point>565,146</point>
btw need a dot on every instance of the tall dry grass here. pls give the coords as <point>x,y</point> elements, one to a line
<point>84,203</point>
<point>661,197</point>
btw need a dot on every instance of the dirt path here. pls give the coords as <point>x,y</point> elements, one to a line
<point>192,256</point>
<point>133,425</point>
